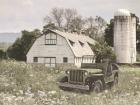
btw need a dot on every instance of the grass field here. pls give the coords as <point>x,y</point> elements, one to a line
<point>23,84</point>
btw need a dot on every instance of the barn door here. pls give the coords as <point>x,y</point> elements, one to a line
<point>50,61</point>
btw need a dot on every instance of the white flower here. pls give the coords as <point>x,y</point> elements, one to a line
<point>52,92</point>
<point>41,93</point>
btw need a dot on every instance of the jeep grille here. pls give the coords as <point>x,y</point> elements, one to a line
<point>76,76</point>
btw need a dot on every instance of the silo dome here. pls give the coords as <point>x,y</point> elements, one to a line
<point>122,12</point>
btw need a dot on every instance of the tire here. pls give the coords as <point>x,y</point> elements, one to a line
<point>98,86</point>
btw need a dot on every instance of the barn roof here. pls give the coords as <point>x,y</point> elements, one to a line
<point>79,43</point>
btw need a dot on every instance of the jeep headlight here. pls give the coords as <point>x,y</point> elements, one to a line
<point>86,73</point>
<point>67,72</point>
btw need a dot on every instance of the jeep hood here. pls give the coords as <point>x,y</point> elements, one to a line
<point>93,71</point>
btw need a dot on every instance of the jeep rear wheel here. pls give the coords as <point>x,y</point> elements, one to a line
<point>98,86</point>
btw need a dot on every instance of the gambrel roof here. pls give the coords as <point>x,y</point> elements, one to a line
<point>78,43</point>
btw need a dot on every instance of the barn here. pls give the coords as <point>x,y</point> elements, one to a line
<point>56,48</point>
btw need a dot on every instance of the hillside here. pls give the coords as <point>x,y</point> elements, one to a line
<point>9,37</point>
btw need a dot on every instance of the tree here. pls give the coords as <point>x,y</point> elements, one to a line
<point>101,25</point>
<point>48,20</point>
<point>57,14</point>
<point>138,38</point>
<point>77,24</point>
<point>90,22</point>
<point>69,20</point>
<point>69,15</point>
<point>95,27</point>
<point>16,51</point>
<point>21,46</point>
<point>90,29</point>
<point>103,51</point>
<point>109,33</point>
<point>50,26</point>
<point>55,17</point>
<point>2,54</point>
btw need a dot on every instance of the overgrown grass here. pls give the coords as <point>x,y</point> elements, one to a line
<point>24,84</point>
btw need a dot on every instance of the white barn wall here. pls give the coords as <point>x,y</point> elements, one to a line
<point>78,61</point>
<point>60,50</point>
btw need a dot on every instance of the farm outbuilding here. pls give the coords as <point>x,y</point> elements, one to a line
<point>125,36</point>
<point>58,48</point>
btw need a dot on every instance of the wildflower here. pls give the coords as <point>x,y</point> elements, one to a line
<point>52,92</point>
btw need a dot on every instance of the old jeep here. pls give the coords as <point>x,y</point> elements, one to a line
<point>89,77</point>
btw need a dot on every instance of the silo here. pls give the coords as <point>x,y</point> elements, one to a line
<point>125,36</point>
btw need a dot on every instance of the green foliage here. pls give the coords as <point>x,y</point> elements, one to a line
<point>138,38</point>
<point>2,54</point>
<point>103,51</point>
<point>109,33</point>
<point>21,46</point>
<point>16,51</point>
<point>138,56</point>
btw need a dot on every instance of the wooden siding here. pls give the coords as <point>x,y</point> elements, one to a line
<point>60,50</point>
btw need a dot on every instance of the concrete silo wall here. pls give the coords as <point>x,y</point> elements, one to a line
<point>133,39</point>
<point>125,39</point>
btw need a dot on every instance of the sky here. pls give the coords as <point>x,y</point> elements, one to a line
<point>17,15</point>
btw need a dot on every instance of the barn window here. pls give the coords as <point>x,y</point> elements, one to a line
<point>72,43</point>
<point>81,43</point>
<point>50,39</point>
<point>35,59</point>
<point>65,60</point>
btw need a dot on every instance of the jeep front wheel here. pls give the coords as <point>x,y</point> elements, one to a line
<point>98,86</point>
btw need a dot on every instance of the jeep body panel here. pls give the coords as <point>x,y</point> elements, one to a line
<point>93,71</point>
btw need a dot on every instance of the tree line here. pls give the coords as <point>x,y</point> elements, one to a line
<point>71,21</point>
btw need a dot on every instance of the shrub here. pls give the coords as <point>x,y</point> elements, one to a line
<point>2,54</point>
<point>103,51</point>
